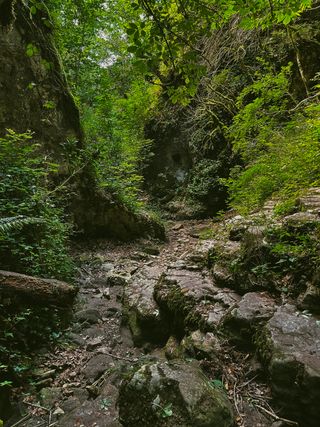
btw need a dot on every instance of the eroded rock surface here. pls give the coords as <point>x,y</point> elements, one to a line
<point>176,311</point>
<point>171,395</point>
<point>254,309</point>
<point>141,310</point>
<point>192,300</point>
<point>290,345</point>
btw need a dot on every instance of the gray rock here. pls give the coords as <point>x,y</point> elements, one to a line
<point>310,299</point>
<point>310,200</point>
<point>116,280</point>
<point>172,394</point>
<point>77,339</point>
<point>141,310</point>
<point>222,275</point>
<point>192,301</point>
<point>90,316</point>
<point>179,291</point>
<point>202,345</point>
<point>302,221</point>
<point>49,396</point>
<point>203,253</point>
<point>240,323</point>
<point>212,313</point>
<point>107,266</point>
<point>290,347</point>
<point>96,366</point>
<point>70,404</point>
<point>98,412</point>
<point>94,343</point>
<point>253,418</point>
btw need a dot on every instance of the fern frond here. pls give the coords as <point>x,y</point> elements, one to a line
<point>16,222</point>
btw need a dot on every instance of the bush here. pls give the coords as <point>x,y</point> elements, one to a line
<point>280,146</point>
<point>33,236</point>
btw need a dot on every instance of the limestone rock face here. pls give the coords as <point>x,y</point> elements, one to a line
<point>202,345</point>
<point>203,253</point>
<point>178,292</point>
<point>191,300</point>
<point>254,309</point>
<point>33,91</point>
<point>172,394</point>
<point>311,200</point>
<point>140,308</point>
<point>290,345</point>
<point>310,299</point>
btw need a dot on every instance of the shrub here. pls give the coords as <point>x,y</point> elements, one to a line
<point>33,236</point>
<point>281,146</point>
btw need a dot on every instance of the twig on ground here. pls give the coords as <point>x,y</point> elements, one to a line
<point>25,418</point>
<point>119,357</point>
<point>33,405</point>
<point>235,399</point>
<point>276,417</point>
<point>247,382</point>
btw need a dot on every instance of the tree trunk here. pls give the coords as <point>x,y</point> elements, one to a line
<point>36,290</point>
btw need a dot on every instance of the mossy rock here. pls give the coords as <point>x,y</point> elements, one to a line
<point>172,394</point>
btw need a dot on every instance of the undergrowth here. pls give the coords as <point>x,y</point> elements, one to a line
<point>279,143</point>
<point>36,240</point>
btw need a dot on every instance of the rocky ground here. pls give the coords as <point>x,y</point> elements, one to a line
<point>166,334</point>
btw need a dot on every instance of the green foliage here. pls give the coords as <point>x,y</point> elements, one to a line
<point>111,91</point>
<point>262,112</point>
<point>115,128</point>
<point>205,179</point>
<point>166,36</point>
<point>22,330</point>
<point>279,145</point>
<point>33,237</point>
<point>16,223</point>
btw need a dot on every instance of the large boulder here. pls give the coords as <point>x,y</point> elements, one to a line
<point>191,300</point>
<point>172,394</point>
<point>254,309</point>
<point>140,309</point>
<point>290,347</point>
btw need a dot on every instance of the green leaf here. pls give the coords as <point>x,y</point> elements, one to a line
<point>167,411</point>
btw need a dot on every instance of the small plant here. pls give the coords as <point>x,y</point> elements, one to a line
<point>167,411</point>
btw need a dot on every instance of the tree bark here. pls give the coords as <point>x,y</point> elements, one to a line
<point>36,290</point>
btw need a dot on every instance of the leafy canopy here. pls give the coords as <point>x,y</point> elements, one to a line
<point>167,36</point>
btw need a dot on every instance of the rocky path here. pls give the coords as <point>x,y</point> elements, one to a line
<point>151,319</point>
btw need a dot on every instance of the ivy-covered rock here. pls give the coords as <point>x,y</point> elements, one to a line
<point>172,394</point>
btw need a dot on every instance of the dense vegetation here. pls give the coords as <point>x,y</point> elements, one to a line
<point>239,79</point>
<point>246,96</point>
